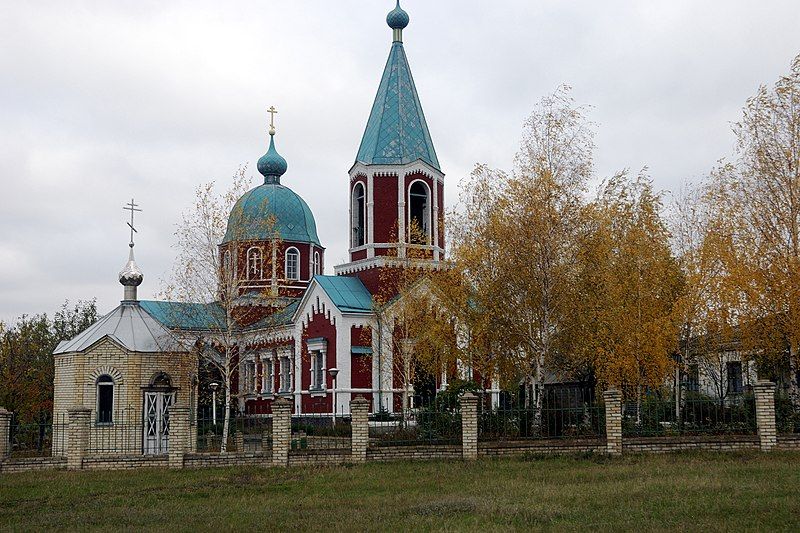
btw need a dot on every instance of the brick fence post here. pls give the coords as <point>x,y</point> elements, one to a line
<point>359,438</point>
<point>613,401</point>
<point>179,432</point>
<point>765,415</point>
<point>469,426</point>
<point>281,431</point>
<point>238,438</point>
<point>78,436</point>
<point>5,434</point>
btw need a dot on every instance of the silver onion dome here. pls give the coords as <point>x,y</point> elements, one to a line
<point>131,277</point>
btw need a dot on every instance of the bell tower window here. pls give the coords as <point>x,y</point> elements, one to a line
<point>359,216</point>
<point>292,264</point>
<point>419,213</point>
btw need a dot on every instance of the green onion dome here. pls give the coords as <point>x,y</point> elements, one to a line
<point>397,19</point>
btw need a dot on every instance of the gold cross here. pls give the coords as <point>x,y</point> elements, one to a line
<point>272,111</point>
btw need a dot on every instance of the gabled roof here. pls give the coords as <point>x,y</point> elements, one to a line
<point>348,294</point>
<point>130,326</point>
<point>396,132</point>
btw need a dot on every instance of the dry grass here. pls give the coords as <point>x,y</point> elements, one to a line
<point>691,491</point>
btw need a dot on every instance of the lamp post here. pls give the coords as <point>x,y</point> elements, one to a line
<point>334,372</point>
<point>213,386</point>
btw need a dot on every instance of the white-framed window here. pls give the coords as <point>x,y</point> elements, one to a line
<point>267,375</point>
<point>358,210</point>
<point>292,264</point>
<point>317,370</point>
<point>255,263</point>
<point>317,264</point>
<point>419,213</point>
<point>248,383</point>
<point>105,399</point>
<point>286,375</point>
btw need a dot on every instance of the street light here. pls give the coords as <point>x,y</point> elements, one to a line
<point>213,386</point>
<point>334,372</point>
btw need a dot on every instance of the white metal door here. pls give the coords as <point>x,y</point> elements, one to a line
<point>156,422</point>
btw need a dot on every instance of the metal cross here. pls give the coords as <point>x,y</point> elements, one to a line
<point>272,111</point>
<point>132,207</point>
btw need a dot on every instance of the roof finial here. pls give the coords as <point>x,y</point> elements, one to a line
<point>397,19</point>
<point>272,165</point>
<point>131,276</point>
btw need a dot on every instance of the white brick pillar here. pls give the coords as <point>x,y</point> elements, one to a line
<point>78,436</point>
<point>179,432</point>
<point>469,426</point>
<point>359,439</point>
<point>613,400</point>
<point>765,415</point>
<point>281,431</point>
<point>5,434</point>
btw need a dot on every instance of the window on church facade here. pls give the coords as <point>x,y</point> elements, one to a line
<point>105,400</point>
<point>255,264</point>
<point>286,375</point>
<point>267,375</point>
<point>292,264</point>
<point>249,381</point>
<point>317,264</point>
<point>317,370</point>
<point>419,213</point>
<point>359,216</point>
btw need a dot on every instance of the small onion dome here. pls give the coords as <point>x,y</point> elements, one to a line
<point>397,19</point>
<point>272,165</point>
<point>131,275</point>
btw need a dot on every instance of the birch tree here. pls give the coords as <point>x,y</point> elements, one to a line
<point>211,281</point>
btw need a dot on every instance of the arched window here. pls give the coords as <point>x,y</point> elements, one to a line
<point>419,213</point>
<point>317,264</point>
<point>105,399</point>
<point>255,264</point>
<point>359,215</point>
<point>292,264</point>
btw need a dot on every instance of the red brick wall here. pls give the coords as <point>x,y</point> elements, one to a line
<point>385,208</point>
<point>319,326</point>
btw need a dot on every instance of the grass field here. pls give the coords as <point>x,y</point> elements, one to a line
<point>689,491</point>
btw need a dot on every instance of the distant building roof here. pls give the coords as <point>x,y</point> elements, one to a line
<point>348,294</point>
<point>129,325</point>
<point>396,132</point>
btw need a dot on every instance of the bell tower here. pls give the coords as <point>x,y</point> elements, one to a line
<point>396,187</point>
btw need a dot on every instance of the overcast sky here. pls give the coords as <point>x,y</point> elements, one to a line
<point>104,100</point>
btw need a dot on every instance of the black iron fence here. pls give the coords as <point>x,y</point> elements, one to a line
<point>43,438</point>
<point>561,414</point>
<point>123,433</point>
<point>654,416</point>
<point>787,415</point>
<point>422,421</point>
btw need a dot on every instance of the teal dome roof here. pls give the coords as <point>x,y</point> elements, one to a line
<point>249,218</point>
<point>397,19</point>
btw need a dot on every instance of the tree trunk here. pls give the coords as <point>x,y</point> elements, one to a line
<point>227,420</point>
<point>538,388</point>
<point>794,386</point>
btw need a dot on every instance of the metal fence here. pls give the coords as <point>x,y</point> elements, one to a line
<point>423,421</point>
<point>563,414</point>
<point>123,434</point>
<point>45,438</point>
<point>787,415</point>
<point>654,416</point>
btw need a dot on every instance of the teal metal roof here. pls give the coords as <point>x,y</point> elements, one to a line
<point>249,218</point>
<point>186,316</point>
<point>282,317</point>
<point>396,132</point>
<point>348,294</point>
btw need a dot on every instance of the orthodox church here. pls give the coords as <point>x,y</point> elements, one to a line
<point>313,339</point>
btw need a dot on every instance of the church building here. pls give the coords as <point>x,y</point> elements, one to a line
<point>313,339</point>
